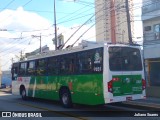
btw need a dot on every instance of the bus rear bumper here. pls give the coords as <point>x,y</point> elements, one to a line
<point>124,98</point>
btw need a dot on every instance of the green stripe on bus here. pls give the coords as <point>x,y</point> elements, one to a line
<point>86,89</point>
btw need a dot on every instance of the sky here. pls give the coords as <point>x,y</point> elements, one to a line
<point>21,19</point>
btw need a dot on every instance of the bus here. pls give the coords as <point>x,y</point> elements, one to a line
<point>91,74</point>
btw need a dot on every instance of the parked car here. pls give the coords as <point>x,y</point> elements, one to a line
<point>3,86</point>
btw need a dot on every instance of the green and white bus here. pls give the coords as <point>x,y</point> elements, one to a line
<point>90,74</point>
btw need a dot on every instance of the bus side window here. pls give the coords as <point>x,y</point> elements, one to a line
<point>63,65</point>
<point>31,68</point>
<point>71,63</point>
<point>23,69</point>
<point>41,67</point>
<point>80,62</point>
<point>85,62</point>
<point>52,67</point>
<point>14,71</point>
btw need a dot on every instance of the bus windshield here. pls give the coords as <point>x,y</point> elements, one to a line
<point>124,59</point>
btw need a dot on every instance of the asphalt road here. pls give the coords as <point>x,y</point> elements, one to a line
<point>54,110</point>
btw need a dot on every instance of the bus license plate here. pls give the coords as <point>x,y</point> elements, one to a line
<point>128,98</point>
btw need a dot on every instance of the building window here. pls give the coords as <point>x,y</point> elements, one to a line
<point>147,28</point>
<point>157,28</point>
<point>157,31</point>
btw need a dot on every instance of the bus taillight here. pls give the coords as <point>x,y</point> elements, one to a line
<point>143,84</point>
<point>110,86</point>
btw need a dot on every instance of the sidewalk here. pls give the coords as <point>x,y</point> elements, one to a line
<point>149,102</point>
<point>7,90</point>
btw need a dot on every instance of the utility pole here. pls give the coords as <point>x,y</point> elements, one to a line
<point>55,25</point>
<point>113,22</point>
<point>40,48</point>
<point>129,23</point>
<point>20,57</point>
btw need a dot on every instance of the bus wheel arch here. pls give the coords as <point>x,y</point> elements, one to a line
<point>23,92</point>
<point>65,97</point>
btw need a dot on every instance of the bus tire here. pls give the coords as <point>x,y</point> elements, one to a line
<point>65,98</point>
<point>23,94</point>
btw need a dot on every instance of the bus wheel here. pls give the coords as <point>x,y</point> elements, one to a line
<point>65,98</point>
<point>23,94</point>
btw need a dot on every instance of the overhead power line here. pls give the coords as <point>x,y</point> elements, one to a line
<point>70,19</point>
<point>82,35</point>
<point>8,4</point>
<point>152,3</point>
<point>27,3</point>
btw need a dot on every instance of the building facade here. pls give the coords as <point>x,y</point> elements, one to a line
<point>6,78</point>
<point>43,49</point>
<point>151,34</point>
<point>0,76</point>
<point>111,20</point>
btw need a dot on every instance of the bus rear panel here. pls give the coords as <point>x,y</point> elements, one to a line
<point>125,74</point>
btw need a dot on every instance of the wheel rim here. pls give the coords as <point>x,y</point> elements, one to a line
<point>65,98</point>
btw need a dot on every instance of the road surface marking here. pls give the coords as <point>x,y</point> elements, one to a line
<point>54,111</point>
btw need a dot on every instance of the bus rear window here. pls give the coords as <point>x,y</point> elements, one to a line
<point>124,59</point>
